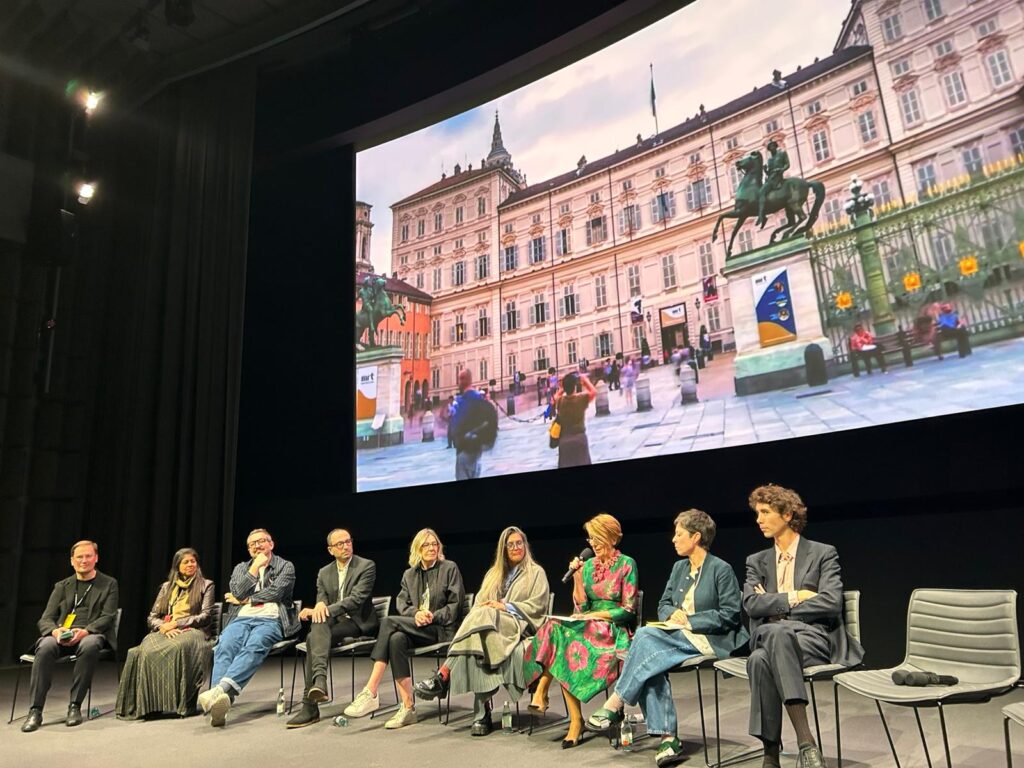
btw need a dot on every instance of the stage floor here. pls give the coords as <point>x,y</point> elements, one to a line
<point>255,736</point>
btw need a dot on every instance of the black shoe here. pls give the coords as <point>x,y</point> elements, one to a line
<point>435,687</point>
<point>482,727</point>
<point>308,715</point>
<point>34,720</point>
<point>74,715</point>
<point>318,690</point>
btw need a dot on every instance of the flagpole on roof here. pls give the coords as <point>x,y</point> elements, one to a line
<point>654,104</point>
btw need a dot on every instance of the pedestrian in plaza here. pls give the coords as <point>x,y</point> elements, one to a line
<point>473,427</point>
<point>444,415</point>
<point>629,371</point>
<point>948,325</point>
<point>614,377</point>
<point>571,401</point>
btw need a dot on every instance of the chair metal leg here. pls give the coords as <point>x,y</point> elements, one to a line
<point>885,725</point>
<point>1006,736</point>
<point>945,738</point>
<point>814,707</point>
<point>839,733</point>
<point>924,741</point>
<point>703,728</point>
<point>17,684</point>
<point>739,758</point>
<point>295,665</point>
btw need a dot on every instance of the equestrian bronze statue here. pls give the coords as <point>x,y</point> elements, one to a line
<point>764,191</point>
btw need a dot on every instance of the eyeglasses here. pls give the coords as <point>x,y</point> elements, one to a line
<point>257,543</point>
<point>515,545</point>
<point>342,543</point>
<point>430,545</point>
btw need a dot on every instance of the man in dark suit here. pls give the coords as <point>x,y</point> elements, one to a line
<point>344,609</point>
<point>78,620</point>
<point>794,597</point>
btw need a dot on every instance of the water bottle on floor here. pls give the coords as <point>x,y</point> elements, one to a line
<point>506,718</point>
<point>626,734</point>
<point>341,721</point>
<point>280,702</point>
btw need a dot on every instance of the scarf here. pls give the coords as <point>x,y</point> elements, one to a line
<point>178,603</point>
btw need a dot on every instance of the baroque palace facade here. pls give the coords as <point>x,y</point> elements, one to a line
<point>916,93</point>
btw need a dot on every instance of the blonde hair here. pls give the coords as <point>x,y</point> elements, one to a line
<point>416,548</point>
<point>501,568</point>
<point>604,527</point>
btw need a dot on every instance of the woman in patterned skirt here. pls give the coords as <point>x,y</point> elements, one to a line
<point>167,670</point>
<point>582,652</point>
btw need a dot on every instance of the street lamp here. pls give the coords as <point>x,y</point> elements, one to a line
<point>859,202</point>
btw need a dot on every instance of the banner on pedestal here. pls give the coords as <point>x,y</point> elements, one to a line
<point>366,392</point>
<point>773,307</point>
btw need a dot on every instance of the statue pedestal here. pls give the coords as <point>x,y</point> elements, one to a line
<point>379,422</point>
<point>775,315</point>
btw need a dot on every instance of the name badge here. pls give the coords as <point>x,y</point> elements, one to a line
<point>69,620</point>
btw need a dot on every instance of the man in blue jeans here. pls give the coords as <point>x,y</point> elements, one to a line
<point>260,615</point>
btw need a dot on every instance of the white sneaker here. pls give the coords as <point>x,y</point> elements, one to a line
<point>206,698</point>
<point>403,717</point>
<point>219,709</point>
<point>364,704</point>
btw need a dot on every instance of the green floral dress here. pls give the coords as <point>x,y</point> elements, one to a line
<point>583,655</point>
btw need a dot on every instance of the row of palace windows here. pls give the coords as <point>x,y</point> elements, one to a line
<point>420,225</point>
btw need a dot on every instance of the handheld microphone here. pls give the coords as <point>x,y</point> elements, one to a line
<point>921,679</point>
<point>586,554</point>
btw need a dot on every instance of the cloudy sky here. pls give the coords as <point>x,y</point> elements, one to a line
<point>707,53</point>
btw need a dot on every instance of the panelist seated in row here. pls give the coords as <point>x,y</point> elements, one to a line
<point>78,621</point>
<point>582,652</point>
<point>793,594</point>
<point>429,609</point>
<point>699,615</point>
<point>344,609</point>
<point>488,648</point>
<point>166,672</point>
<point>260,613</point>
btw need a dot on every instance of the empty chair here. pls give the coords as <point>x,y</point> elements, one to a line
<point>967,634</point>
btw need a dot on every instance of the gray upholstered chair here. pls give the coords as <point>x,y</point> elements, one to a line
<point>737,667</point>
<point>1013,712</point>
<point>969,634</point>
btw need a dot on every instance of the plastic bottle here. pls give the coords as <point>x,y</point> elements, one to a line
<point>506,718</point>
<point>626,735</point>
<point>280,702</point>
<point>341,721</point>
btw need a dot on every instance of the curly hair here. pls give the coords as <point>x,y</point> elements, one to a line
<point>782,500</point>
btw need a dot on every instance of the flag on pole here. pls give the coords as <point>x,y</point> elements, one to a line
<point>654,107</point>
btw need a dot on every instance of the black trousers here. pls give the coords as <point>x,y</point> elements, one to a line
<point>780,652</point>
<point>48,650</point>
<point>398,635</point>
<point>318,645</point>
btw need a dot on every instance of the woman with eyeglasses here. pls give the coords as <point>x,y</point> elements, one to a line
<point>429,609</point>
<point>487,651</point>
<point>582,652</point>
<point>166,671</point>
<point>699,615</point>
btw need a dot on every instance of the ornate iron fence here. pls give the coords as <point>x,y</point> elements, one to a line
<point>964,245</point>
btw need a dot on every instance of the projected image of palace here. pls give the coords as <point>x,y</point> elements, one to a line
<point>909,139</point>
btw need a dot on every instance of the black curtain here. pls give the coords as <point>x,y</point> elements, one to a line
<point>154,336</point>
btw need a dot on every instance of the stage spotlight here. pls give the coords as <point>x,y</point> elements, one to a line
<point>86,191</point>
<point>92,101</point>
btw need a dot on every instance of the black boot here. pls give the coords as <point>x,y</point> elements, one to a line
<point>435,687</point>
<point>484,725</point>
<point>33,721</point>
<point>318,690</point>
<point>308,715</point>
<point>74,715</point>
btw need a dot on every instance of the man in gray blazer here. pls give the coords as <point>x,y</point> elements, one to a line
<point>344,609</point>
<point>794,597</point>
